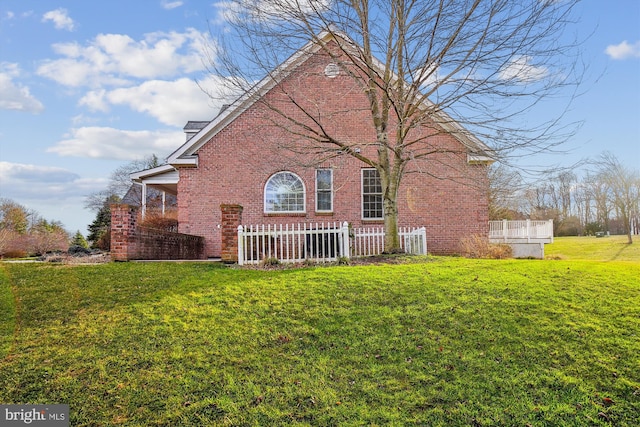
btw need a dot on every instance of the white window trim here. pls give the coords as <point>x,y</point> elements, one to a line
<point>324,191</point>
<point>362,198</point>
<point>304,195</point>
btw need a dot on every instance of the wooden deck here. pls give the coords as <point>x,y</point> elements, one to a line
<point>525,231</point>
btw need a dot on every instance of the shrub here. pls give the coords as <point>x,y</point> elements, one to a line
<point>271,262</point>
<point>104,241</point>
<point>477,246</point>
<point>77,250</point>
<point>6,239</point>
<point>42,242</point>
<point>343,260</point>
<point>14,253</point>
<point>158,221</point>
<point>79,240</point>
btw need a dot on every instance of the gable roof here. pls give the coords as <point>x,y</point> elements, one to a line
<point>185,155</point>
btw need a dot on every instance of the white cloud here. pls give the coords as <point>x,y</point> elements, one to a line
<point>81,119</point>
<point>170,4</point>
<point>267,10</point>
<point>117,59</point>
<point>14,96</point>
<point>284,7</point>
<point>55,193</point>
<point>227,11</point>
<point>170,102</point>
<point>521,69</point>
<point>33,182</point>
<point>428,76</point>
<point>111,143</point>
<point>60,19</point>
<point>624,50</point>
<point>35,174</point>
<point>95,100</point>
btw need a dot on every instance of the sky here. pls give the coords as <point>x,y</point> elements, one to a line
<point>88,86</point>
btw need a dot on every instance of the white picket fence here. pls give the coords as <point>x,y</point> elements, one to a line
<point>319,242</point>
<point>369,241</point>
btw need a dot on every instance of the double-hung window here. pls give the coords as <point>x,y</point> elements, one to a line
<point>324,190</point>
<point>371,194</point>
<point>284,193</point>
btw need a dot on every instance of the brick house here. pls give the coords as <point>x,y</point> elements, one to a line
<point>250,156</point>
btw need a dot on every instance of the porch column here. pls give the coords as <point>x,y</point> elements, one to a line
<point>144,200</point>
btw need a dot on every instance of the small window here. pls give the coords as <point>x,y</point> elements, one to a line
<point>371,195</point>
<point>324,190</point>
<point>284,193</point>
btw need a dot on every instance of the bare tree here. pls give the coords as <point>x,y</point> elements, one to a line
<point>505,190</point>
<point>119,183</point>
<point>583,205</point>
<point>559,189</point>
<point>448,66</point>
<point>598,193</point>
<point>624,189</point>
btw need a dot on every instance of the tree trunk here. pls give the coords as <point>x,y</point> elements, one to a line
<point>391,235</point>
<point>627,228</point>
<point>390,185</point>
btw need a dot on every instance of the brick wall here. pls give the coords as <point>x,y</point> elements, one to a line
<point>231,219</point>
<point>124,222</point>
<point>442,192</point>
<point>130,241</point>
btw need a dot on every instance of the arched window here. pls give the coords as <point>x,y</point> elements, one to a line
<point>284,193</point>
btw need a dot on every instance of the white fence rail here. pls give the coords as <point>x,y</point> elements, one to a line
<point>319,242</point>
<point>292,242</point>
<point>521,230</point>
<point>369,241</point>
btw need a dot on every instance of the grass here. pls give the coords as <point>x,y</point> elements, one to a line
<point>7,316</point>
<point>447,341</point>
<point>613,248</point>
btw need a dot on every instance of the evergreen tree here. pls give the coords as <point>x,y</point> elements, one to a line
<point>79,240</point>
<point>100,228</point>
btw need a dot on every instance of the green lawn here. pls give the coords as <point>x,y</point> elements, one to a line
<point>445,341</point>
<point>613,248</point>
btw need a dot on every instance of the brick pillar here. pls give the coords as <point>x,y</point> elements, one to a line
<point>124,219</point>
<point>231,219</point>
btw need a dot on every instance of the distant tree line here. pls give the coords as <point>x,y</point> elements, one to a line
<point>24,232</point>
<point>604,197</point>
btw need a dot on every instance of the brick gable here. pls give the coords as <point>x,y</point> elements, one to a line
<point>444,192</point>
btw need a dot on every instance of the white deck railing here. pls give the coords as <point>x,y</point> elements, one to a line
<point>509,231</point>
<point>319,242</point>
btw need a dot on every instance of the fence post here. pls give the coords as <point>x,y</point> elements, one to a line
<point>240,245</point>
<point>423,234</point>
<point>504,229</point>
<point>345,240</point>
<point>528,231</point>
